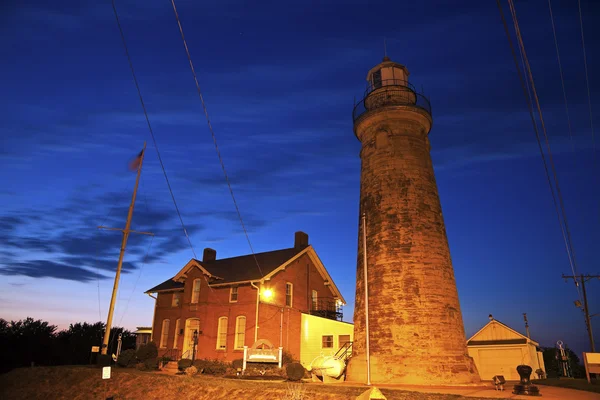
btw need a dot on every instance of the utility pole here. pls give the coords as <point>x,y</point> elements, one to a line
<point>582,279</point>
<point>526,325</point>
<point>126,233</point>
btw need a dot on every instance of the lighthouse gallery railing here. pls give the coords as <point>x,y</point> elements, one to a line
<point>390,93</point>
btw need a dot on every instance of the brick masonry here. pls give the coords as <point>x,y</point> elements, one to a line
<point>416,328</point>
<point>214,303</point>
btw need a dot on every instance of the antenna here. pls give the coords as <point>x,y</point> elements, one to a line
<point>384,47</point>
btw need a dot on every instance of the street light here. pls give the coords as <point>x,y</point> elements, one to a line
<point>195,341</point>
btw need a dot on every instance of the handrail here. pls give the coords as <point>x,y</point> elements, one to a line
<point>344,352</point>
<point>390,95</point>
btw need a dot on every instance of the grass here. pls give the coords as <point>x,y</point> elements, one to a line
<point>79,383</point>
<point>579,384</point>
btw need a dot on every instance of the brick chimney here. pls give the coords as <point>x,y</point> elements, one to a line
<point>209,255</point>
<point>300,240</point>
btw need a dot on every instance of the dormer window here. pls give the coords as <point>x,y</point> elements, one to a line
<point>233,295</point>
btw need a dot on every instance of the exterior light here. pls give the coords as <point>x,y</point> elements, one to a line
<point>268,293</point>
<point>577,303</point>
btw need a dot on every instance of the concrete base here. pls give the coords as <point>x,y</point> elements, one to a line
<point>528,390</point>
<point>435,370</point>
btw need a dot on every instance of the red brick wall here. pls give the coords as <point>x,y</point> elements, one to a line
<point>280,328</point>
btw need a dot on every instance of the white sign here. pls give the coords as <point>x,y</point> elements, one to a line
<point>105,372</point>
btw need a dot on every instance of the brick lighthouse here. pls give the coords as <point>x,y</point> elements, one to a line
<point>415,323</point>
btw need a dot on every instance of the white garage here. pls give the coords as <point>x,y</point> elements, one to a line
<point>497,350</point>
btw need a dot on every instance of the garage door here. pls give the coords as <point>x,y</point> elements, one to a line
<point>502,361</point>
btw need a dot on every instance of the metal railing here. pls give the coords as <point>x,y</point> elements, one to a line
<point>327,307</point>
<point>384,95</point>
<point>344,352</point>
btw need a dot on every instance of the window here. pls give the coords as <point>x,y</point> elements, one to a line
<point>176,333</point>
<point>196,291</point>
<point>289,289</point>
<point>222,333</point>
<point>176,299</point>
<point>343,339</point>
<point>240,332</point>
<point>327,342</point>
<point>377,79</point>
<point>314,300</point>
<point>233,294</point>
<point>164,334</point>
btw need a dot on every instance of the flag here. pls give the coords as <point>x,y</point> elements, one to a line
<point>135,164</point>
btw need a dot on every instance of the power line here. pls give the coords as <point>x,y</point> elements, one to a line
<point>587,81</point>
<point>562,80</point>
<point>155,144</point>
<point>150,128</point>
<point>212,132</point>
<point>523,81</point>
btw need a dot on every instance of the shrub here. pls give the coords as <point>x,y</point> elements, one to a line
<point>294,371</point>
<point>184,363</point>
<point>191,371</point>
<point>211,367</point>
<point>287,358</point>
<point>140,366</point>
<point>239,363</point>
<point>151,363</point>
<point>126,358</point>
<point>147,351</point>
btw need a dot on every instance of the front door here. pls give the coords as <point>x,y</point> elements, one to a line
<point>191,325</point>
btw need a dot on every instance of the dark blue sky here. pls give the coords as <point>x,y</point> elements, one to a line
<point>279,80</point>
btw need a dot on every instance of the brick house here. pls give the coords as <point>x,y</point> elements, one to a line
<point>287,291</point>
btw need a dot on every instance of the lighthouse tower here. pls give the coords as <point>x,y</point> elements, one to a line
<point>415,323</point>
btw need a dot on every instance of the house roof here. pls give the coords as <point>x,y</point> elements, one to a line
<point>244,269</point>
<point>515,337</point>
<point>167,285</point>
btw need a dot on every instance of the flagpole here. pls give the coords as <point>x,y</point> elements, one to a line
<point>364,223</point>
<point>126,232</point>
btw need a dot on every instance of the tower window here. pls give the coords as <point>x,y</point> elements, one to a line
<point>377,79</point>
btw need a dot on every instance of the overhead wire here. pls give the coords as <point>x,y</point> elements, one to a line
<point>162,166</point>
<point>562,80</point>
<point>523,80</point>
<point>587,81</point>
<point>212,132</point>
<point>154,140</point>
<point>567,234</point>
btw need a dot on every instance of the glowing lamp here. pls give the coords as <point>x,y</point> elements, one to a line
<point>268,293</point>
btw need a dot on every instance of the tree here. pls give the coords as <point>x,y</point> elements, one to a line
<point>552,365</point>
<point>26,341</point>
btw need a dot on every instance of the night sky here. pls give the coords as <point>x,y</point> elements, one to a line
<point>279,79</point>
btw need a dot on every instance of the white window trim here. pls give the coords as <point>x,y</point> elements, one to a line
<point>237,294</point>
<point>236,345</point>
<point>332,341</point>
<point>173,299</point>
<point>314,299</point>
<point>164,336</point>
<point>177,327</point>
<point>195,301</point>
<point>220,333</point>
<point>291,285</point>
